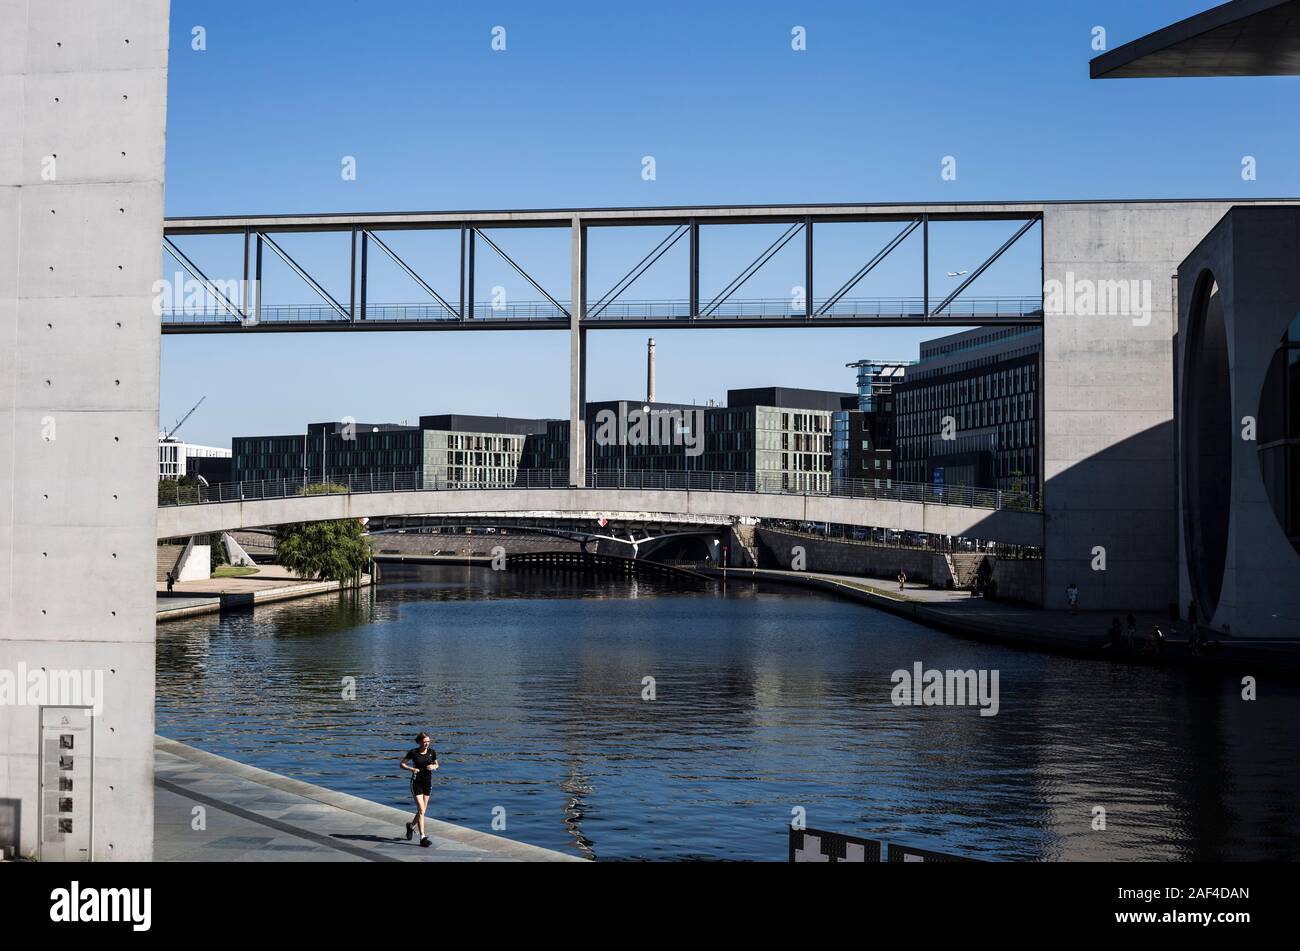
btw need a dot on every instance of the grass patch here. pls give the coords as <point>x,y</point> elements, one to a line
<point>234,571</point>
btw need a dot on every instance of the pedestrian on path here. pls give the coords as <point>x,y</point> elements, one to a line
<point>1115,635</point>
<point>1072,597</point>
<point>902,580</point>
<point>424,760</point>
<point>171,581</point>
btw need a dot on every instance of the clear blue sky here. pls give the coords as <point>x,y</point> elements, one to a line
<point>260,121</point>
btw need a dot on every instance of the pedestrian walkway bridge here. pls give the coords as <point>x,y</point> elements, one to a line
<point>989,515</point>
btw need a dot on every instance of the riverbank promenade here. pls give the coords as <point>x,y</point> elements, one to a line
<point>269,583</point>
<point>1082,633</point>
<point>252,815</point>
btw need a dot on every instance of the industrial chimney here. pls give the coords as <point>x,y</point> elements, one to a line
<point>650,371</point>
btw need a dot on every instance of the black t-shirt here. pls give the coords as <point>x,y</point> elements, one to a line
<point>421,760</point>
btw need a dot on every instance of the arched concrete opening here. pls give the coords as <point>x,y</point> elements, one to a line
<point>1279,433</point>
<point>1207,440</point>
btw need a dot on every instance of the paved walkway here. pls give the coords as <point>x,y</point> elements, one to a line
<point>252,815</point>
<point>271,583</point>
<point>268,576</point>
<point>1084,632</point>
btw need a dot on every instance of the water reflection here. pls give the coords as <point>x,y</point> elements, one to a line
<point>766,700</point>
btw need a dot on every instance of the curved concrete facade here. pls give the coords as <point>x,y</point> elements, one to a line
<point>1109,448</point>
<point>1015,528</point>
<point>1254,256</point>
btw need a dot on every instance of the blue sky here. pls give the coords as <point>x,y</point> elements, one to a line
<point>259,122</point>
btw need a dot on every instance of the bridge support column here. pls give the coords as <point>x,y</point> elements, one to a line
<point>578,359</point>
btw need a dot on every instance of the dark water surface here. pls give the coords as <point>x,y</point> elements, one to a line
<point>767,700</point>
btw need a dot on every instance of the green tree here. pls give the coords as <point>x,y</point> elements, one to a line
<point>324,551</point>
<point>217,553</point>
<point>1019,499</point>
<point>324,488</point>
<point>180,491</point>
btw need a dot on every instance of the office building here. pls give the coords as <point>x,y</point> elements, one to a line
<point>176,460</point>
<point>447,450</point>
<point>967,411</point>
<point>862,443</point>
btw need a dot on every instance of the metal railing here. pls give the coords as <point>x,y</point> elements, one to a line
<point>767,483</point>
<point>896,538</point>
<point>543,311</point>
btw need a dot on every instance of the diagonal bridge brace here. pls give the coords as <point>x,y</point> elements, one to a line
<point>521,272</point>
<point>937,311</point>
<point>753,268</point>
<point>647,262</point>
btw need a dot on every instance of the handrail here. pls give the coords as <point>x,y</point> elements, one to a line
<point>827,311</point>
<point>766,483</point>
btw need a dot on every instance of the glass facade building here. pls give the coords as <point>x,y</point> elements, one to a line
<point>967,411</point>
<point>863,438</point>
<point>444,451</point>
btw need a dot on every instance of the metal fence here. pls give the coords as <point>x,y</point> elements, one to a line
<point>776,308</point>
<point>773,483</point>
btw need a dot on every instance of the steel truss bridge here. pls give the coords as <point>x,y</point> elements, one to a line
<point>578,312</point>
<point>556,310</point>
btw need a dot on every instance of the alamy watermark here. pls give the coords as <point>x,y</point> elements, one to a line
<point>651,427</point>
<point>53,687</point>
<point>919,687</point>
<point>1084,297</point>
<point>190,297</point>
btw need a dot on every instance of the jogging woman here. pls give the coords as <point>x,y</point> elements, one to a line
<point>425,760</point>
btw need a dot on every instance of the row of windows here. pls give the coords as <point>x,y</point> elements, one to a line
<point>986,386</point>
<point>481,443</point>
<point>1012,409</point>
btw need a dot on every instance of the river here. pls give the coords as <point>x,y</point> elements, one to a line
<point>769,703</point>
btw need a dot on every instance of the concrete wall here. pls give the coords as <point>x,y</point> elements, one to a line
<point>195,563</point>
<point>1108,404</point>
<point>1254,255</point>
<point>1021,580</point>
<point>1015,528</point>
<point>776,550</point>
<point>82,111</point>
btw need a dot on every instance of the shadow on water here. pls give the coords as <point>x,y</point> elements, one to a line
<point>537,689</point>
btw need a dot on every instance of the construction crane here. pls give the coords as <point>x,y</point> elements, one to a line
<point>181,422</point>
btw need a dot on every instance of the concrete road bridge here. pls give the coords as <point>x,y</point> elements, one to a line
<point>989,516</point>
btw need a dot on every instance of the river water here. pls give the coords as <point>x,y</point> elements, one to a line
<point>770,703</point>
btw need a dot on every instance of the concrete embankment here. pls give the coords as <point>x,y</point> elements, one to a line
<point>1017,579</point>
<point>1081,634</point>
<point>231,594</point>
<point>252,814</point>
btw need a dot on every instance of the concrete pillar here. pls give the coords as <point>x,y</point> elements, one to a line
<point>1108,449</point>
<point>578,358</point>
<point>83,104</point>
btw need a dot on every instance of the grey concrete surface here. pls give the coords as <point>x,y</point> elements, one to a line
<point>83,95</point>
<point>1018,528</point>
<point>1253,255</point>
<point>245,814</point>
<point>1108,444</point>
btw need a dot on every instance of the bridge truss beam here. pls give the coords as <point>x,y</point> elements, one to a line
<point>253,314</point>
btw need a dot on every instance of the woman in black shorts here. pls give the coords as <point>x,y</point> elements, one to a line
<point>424,759</point>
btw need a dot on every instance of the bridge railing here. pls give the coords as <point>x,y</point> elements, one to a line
<point>776,483</point>
<point>210,313</point>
